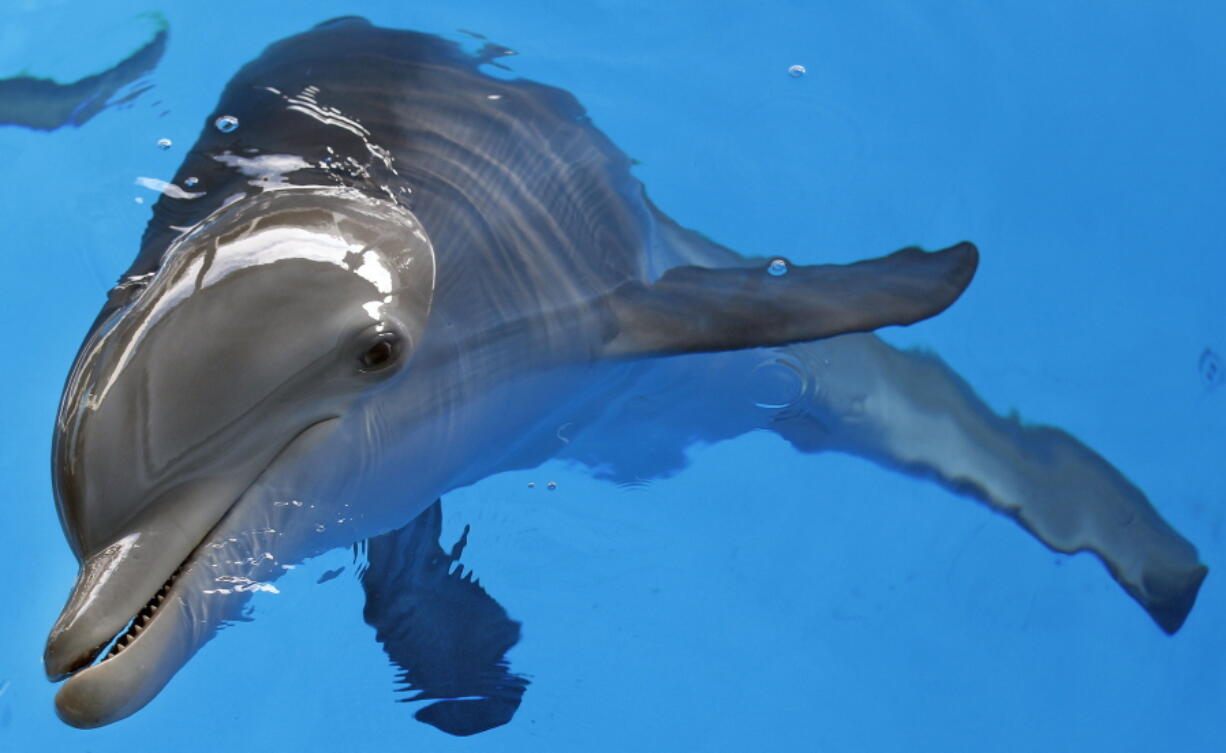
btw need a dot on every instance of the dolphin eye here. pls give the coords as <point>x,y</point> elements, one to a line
<point>380,354</point>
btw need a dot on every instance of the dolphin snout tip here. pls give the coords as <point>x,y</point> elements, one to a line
<point>58,664</point>
<point>69,650</point>
<point>75,711</point>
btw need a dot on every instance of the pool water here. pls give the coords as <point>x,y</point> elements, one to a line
<point>761,599</point>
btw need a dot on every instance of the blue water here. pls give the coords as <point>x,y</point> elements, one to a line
<point>761,599</point>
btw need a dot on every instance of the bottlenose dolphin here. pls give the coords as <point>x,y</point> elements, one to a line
<point>387,275</point>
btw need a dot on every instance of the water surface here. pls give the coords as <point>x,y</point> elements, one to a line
<point>761,599</point>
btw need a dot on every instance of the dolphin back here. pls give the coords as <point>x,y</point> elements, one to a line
<point>539,227</point>
<point>528,205</point>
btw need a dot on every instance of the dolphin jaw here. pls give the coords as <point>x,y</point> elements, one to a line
<point>146,647</point>
<point>115,687</point>
<point>148,644</point>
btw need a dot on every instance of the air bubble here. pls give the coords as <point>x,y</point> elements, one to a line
<point>226,123</point>
<point>189,182</point>
<point>531,484</point>
<point>796,71</point>
<point>165,144</point>
<point>551,486</point>
<point>777,384</point>
<point>778,267</point>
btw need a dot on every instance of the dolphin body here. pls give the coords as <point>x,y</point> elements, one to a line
<point>398,275</point>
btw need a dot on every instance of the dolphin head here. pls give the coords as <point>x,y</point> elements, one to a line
<point>263,326</point>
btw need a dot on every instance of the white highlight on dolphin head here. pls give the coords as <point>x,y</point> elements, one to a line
<point>266,170</point>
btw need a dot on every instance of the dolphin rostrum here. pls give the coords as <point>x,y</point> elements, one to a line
<point>387,275</point>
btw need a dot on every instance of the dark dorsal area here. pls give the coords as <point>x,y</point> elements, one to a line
<point>493,168</point>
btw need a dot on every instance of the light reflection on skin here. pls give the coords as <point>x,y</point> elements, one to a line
<point>119,552</point>
<point>266,170</point>
<point>266,246</point>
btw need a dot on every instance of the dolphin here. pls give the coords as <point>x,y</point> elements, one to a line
<point>386,275</point>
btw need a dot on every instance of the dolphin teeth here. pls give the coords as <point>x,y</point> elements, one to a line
<point>142,618</point>
<point>139,622</point>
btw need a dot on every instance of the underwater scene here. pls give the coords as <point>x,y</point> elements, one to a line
<point>613,376</point>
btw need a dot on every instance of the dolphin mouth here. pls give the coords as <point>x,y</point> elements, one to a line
<point>137,666</point>
<point>140,621</point>
<point>157,640</point>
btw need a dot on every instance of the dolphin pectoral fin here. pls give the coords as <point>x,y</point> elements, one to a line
<point>45,105</point>
<point>694,309</point>
<point>438,625</point>
<point>908,411</point>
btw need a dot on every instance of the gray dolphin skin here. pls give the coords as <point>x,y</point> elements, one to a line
<point>387,275</point>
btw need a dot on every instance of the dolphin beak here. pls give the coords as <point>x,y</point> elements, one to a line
<point>144,660</point>
<point>153,596</point>
<point>132,589</point>
<point>115,584</point>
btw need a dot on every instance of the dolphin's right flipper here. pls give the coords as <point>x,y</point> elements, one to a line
<point>909,411</point>
<point>694,309</point>
<point>447,635</point>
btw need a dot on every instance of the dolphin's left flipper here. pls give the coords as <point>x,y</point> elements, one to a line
<point>447,635</point>
<point>694,309</point>
<point>45,105</point>
<point>908,411</point>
